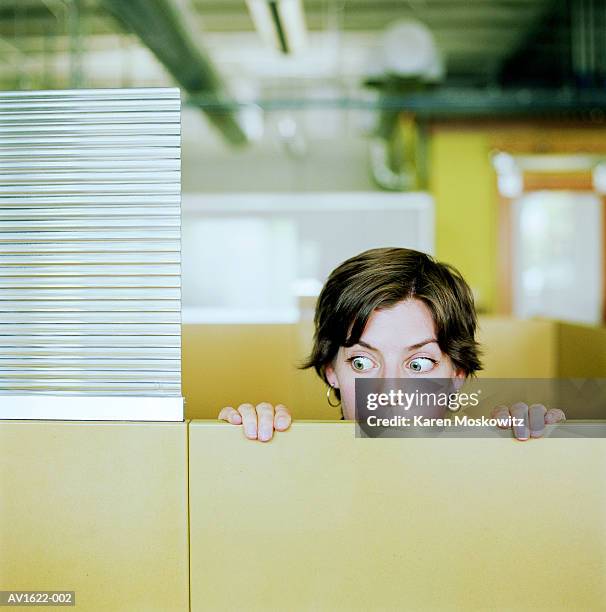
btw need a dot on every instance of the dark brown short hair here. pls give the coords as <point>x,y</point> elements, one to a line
<point>380,278</point>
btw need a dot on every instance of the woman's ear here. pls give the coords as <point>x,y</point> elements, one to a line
<point>459,379</point>
<point>331,377</point>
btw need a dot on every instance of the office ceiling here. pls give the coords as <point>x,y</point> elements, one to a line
<point>478,38</point>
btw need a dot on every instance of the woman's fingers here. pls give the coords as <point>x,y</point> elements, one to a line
<point>520,412</point>
<point>249,420</point>
<point>530,422</point>
<point>260,421</point>
<point>536,418</point>
<point>282,418</point>
<point>554,415</point>
<point>265,416</point>
<point>501,413</point>
<point>230,415</point>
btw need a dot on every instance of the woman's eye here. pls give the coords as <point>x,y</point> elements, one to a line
<point>361,364</point>
<point>421,364</point>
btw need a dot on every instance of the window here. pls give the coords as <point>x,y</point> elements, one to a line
<point>557,256</point>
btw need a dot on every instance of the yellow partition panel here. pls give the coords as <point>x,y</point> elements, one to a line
<point>96,508</point>
<point>230,364</point>
<point>319,520</point>
<point>516,348</point>
<point>310,390</point>
<point>581,351</point>
<point>226,365</point>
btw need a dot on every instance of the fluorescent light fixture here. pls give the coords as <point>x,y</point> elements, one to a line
<point>280,23</point>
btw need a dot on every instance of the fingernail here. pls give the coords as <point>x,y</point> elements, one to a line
<point>264,434</point>
<point>251,432</point>
<point>521,431</point>
<point>282,422</point>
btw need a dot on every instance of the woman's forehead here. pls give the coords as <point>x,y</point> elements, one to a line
<point>407,323</point>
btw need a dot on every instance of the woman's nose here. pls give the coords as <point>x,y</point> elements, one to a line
<point>393,369</point>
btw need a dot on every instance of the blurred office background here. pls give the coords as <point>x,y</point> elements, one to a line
<point>474,130</point>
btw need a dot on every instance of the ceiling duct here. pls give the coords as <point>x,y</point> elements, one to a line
<point>280,23</point>
<point>162,26</point>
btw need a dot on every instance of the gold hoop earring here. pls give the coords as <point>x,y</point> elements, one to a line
<point>328,397</point>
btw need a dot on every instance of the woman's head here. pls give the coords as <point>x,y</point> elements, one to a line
<point>393,313</point>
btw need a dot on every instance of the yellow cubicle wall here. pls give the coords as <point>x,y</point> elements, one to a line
<point>319,520</point>
<point>581,349</point>
<point>96,508</point>
<point>230,364</point>
<point>313,520</point>
<point>226,365</point>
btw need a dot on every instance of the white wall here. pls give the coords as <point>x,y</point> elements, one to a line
<point>334,156</point>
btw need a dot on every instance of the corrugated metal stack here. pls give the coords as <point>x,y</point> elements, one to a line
<point>90,269</point>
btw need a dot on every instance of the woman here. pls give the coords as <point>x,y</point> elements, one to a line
<point>390,313</point>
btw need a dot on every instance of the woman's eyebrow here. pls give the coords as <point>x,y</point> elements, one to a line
<point>420,344</point>
<point>365,344</point>
<point>412,347</point>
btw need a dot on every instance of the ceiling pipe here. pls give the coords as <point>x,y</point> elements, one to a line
<point>162,27</point>
<point>280,23</point>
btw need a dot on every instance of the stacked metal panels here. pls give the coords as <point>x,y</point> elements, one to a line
<point>90,270</point>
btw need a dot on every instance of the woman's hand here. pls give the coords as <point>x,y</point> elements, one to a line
<point>259,421</point>
<point>533,419</point>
